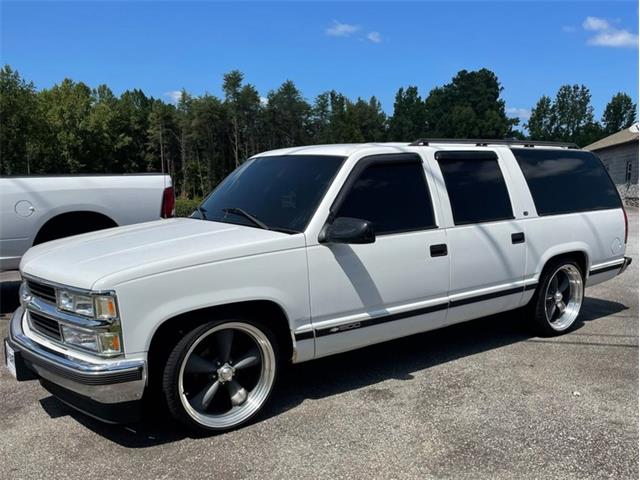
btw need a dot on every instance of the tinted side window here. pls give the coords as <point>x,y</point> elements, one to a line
<point>565,181</point>
<point>393,196</point>
<point>476,188</point>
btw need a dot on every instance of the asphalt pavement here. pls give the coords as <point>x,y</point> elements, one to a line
<point>484,399</point>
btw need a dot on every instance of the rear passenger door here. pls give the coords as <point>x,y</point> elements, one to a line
<point>396,286</point>
<point>486,242</point>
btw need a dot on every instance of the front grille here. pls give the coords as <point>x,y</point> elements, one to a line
<point>45,325</point>
<point>43,291</point>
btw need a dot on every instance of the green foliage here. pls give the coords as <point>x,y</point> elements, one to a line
<point>18,107</point>
<point>541,122</point>
<point>619,113</point>
<point>468,107</point>
<point>186,206</point>
<point>409,116</point>
<point>569,117</point>
<point>71,127</point>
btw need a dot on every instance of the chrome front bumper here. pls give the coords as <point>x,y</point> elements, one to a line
<point>627,262</point>
<point>106,381</point>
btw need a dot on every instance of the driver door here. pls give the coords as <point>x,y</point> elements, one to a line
<point>367,293</point>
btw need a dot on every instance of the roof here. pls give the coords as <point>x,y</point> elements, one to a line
<point>347,149</point>
<point>623,136</point>
<point>340,149</point>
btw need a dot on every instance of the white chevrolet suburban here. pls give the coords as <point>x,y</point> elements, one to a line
<point>307,252</point>
<point>40,208</point>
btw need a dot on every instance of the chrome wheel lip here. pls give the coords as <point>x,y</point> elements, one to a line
<point>572,302</point>
<point>256,397</point>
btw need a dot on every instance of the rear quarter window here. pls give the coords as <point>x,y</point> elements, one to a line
<point>566,181</point>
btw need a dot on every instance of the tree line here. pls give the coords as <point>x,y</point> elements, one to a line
<point>72,128</point>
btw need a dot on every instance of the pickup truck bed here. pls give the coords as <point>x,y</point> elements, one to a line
<point>36,209</point>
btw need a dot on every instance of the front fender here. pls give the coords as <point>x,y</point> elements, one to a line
<point>279,277</point>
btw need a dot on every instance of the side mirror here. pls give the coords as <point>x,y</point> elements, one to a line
<point>348,230</point>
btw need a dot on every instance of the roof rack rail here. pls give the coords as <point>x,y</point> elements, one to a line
<point>483,142</point>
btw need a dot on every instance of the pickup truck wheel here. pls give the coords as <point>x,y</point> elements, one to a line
<point>220,375</point>
<point>559,298</point>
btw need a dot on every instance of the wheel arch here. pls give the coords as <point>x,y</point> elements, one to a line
<point>167,333</point>
<point>60,219</point>
<point>580,255</point>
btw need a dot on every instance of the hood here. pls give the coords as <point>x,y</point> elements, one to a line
<point>102,259</point>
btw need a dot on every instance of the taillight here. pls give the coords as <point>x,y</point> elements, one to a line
<point>626,225</point>
<point>168,209</point>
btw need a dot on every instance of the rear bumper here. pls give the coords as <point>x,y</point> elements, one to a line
<point>99,388</point>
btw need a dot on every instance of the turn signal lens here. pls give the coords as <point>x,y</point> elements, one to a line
<point>106,308</point>
<point>109,342</point>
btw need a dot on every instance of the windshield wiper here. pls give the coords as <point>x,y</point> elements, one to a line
<point>248,216</point>
<point>202,212</point>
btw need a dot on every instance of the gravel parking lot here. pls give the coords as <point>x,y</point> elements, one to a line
<point>480,400</point>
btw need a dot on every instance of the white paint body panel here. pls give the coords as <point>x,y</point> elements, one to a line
<point>165,268</point>
<point>27,203</point>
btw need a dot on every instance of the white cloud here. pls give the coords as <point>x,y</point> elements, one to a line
<point>338,29</point>
<point>374,37</point>
<point>569,29</point>
<point>595,23</point>
<point>522,113</point>
<point>264,101</point>
<point>173,95</point>
<point>614,38</point>
<point>607,35</point>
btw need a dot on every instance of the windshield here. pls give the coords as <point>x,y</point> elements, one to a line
<point>281,192</point>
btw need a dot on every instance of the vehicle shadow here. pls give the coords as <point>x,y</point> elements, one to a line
<point>398,359</point>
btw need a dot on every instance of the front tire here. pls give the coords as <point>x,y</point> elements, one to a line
<point>558,299</point>
<point>221,374</point>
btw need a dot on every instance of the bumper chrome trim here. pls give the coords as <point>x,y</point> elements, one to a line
<point>627,262</point>
<point>105,381</point>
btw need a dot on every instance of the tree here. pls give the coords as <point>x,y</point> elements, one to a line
<point>162,138</point>
<point>287,116</point>
<point>104,132</point>
<point>65,108</point>
<point>620,113</point>
<point>231,85</point>
<point>73,128</point>
<point>572,112</point>
<point>18,113</point>
<point>210,127</point>
<point>569,118</point>
<point>408,121</point>
<point>469,107</point>
<point>366,120</point>
<point>542,121</point>
<point>133,110</point>
<point>321,119</point>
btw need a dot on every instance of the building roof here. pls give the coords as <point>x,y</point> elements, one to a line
<point>623,136</point>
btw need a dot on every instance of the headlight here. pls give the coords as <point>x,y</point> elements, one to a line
<point>101,307</point>
<point>97,341</point>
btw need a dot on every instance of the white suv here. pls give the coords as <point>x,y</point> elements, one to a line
<point>307,252</point>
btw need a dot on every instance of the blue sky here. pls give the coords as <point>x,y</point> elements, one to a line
<point>358,48</point>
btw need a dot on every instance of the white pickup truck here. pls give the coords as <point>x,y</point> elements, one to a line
<point>37,209</point>
<point>307,252</point>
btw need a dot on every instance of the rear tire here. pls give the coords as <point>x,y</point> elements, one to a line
<point>558,298</point>
<point>220,375</point>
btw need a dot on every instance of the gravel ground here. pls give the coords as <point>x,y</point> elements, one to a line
<point>479,400</point>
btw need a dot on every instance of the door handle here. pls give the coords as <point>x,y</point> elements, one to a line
<point>517,237</point>
<point>439,250</point>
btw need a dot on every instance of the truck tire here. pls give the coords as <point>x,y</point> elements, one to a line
<point>221,374</point>
<point>558,298</point>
